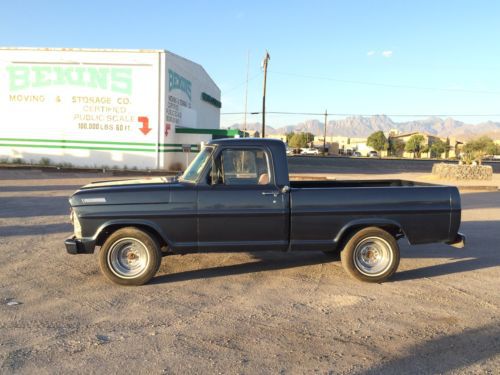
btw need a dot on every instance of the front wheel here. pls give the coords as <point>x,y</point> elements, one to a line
<point>130,256</point>
<point>371,254</point>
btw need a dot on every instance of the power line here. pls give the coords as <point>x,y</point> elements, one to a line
<point>387,85</point>
<point>242,83</point>
<point>366,114</point>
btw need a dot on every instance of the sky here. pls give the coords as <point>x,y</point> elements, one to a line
<point>404,58</point>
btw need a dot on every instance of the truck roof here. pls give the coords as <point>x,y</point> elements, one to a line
<point>248,141</point>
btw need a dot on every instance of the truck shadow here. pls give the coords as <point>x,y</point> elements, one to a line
<point>445,354</point>
<point>445,269</point>
<point>268,261</point>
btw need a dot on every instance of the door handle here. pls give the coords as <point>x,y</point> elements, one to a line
<point>275,193</point>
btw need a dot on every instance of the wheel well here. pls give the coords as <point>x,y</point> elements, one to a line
<point>109,230</point>
<point>392,229</point>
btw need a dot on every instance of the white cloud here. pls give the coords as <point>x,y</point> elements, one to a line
<point>387,54</point>
<point>370,53</point>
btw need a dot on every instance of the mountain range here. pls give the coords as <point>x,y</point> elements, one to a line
<point>362,127</point>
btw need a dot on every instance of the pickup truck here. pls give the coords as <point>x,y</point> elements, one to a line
<point>236,196</point>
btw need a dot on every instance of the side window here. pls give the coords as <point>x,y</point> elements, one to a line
<point>245,167</point>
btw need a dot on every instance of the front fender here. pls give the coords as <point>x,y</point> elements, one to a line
<point>133,223</point>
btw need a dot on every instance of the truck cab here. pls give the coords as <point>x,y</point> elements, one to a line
<point>242,188</point>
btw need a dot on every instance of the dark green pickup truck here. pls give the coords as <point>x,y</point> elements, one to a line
<point>236,196</point>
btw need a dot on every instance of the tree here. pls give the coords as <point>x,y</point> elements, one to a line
<point>438,148</point>
<point>448,148</point>
<point>396,146</point>
<point>415,145</point>
<point>497,150</point>
<point>378,141</point>
<point>425,149</point>
<point>309,137</point>
<point>477,149</point>
<point>300,140</point>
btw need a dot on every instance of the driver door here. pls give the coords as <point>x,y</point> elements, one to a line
<point>242,209</point>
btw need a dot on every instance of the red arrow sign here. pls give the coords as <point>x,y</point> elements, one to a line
<point>145,125</point>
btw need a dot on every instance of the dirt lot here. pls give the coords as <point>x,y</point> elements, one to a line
<point>240,313</point>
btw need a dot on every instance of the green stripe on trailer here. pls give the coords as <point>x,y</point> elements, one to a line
<point>101,148</point>
<point>25,145</point>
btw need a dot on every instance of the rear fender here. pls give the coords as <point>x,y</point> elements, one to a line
<point>355,225</point>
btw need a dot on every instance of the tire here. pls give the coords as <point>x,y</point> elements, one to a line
<point>130,256</point>
<point>371,255</point>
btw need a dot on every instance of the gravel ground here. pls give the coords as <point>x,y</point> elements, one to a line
<point>240,313</point>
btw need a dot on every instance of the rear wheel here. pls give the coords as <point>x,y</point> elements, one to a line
<point>130,256</point>
<point>372,255</point>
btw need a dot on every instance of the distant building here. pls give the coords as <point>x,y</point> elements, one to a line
<point>344,145</point>
<point>281,137</point>
<point>394,132</point>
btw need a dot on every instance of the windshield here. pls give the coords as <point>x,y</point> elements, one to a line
<point>194,169</point>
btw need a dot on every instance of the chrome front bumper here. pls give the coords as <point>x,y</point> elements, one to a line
<point>79,246</point>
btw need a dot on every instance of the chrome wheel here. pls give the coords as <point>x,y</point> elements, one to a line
<point>372,256</point>
<point>128,258</point>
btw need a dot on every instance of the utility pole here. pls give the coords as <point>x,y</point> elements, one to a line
<point>264,66</point>
<point>324,133</point>
<point>246,98</point>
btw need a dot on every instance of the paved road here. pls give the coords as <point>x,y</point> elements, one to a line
<point>314,164</point>
<point>240,313</point>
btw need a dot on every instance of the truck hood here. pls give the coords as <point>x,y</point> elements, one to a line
<point>124,192</point>
<point>128,182</point>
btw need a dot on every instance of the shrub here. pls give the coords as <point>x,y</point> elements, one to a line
<point>45,161</point>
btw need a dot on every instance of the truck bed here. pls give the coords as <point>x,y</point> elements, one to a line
<point>320,210</point>
<point>303,184</point>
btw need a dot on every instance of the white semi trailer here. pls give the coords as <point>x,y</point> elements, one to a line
<point>125,108</point>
